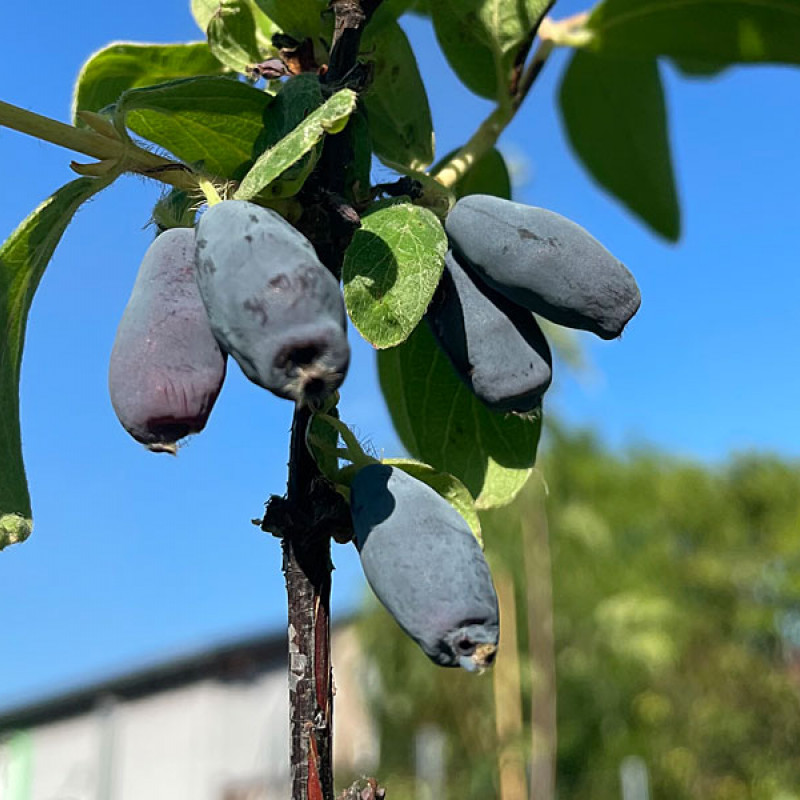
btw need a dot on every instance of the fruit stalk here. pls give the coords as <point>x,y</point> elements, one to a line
<point>520,83</point>
<point>306,548</point>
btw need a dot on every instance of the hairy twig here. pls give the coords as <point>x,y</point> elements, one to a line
<point>105,147</point>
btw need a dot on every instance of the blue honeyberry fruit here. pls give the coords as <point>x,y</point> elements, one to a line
<point>425,566</point>
<point>495,346</point>
<point>272,304</point>
<point>545,263</point>
<point>166,367</point>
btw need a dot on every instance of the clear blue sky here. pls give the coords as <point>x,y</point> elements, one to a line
<point>135,556</point>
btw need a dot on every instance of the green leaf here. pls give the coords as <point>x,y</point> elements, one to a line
<point>322,440</point>
<point>298,97</point>
<point>232,35</point>
<point>397,104</point>
<point>301,19</point>
<point>117,67</point>
<point>388,11</point>
<point>359,168</point>
<point>216,121</point>
<point>448,486</point>
<point>23,258</point>
<point>265,28</point>
<point>391,270</point>
<point>330,117</point>
<point>696,68</point>
<point>175,209</point>
<point>481,39</point>
<point>721,31</point>
<point>488,175</point>
<point>203,11</point>
<point>442,423</point>
<point>471,60</point>
<point>616,121</point>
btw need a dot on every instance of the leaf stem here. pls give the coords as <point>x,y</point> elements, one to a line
<point>483,140</point>
<point>131,158</point>
<point>353,451</point>
<point>571,32</point>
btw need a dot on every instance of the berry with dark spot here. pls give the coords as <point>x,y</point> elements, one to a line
<point>545,263</point>
<point>272,304</point>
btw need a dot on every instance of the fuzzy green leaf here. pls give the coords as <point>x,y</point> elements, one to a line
<point>124,65</point>
<point>232,35</point>
<point>397,105</point>
<point>23,259</point>
<point>481,39</point>
<point>442,423</point>
<point>717,31</point>
<point>330,117</point>
<point>616,121</point>
<point>448,486</point>
<point>216,121</point>
<point>391,270</point>
<point>298,97</point>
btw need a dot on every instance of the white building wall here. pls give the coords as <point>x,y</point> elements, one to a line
<point>355,739</point>
<point>249,743</point>
<point>207,740</point>
<point>64,759</point>
<point>159,746</point>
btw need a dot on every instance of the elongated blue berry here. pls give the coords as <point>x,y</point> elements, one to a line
<point>272,304</point>
<point>495,346</point>
<point>545,263</point>
<point>166,367</point>
<point>425,566</point>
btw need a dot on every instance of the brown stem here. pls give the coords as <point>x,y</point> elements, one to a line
<point>306,537</point>
<point>525,49</point>
<point>522,81</point>
<point>307,568</point>
<point>351,16</point>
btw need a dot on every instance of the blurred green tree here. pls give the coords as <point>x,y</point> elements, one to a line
<point>669,625</point>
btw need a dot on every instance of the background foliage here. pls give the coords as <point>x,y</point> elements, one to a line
<point>676,611</point>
